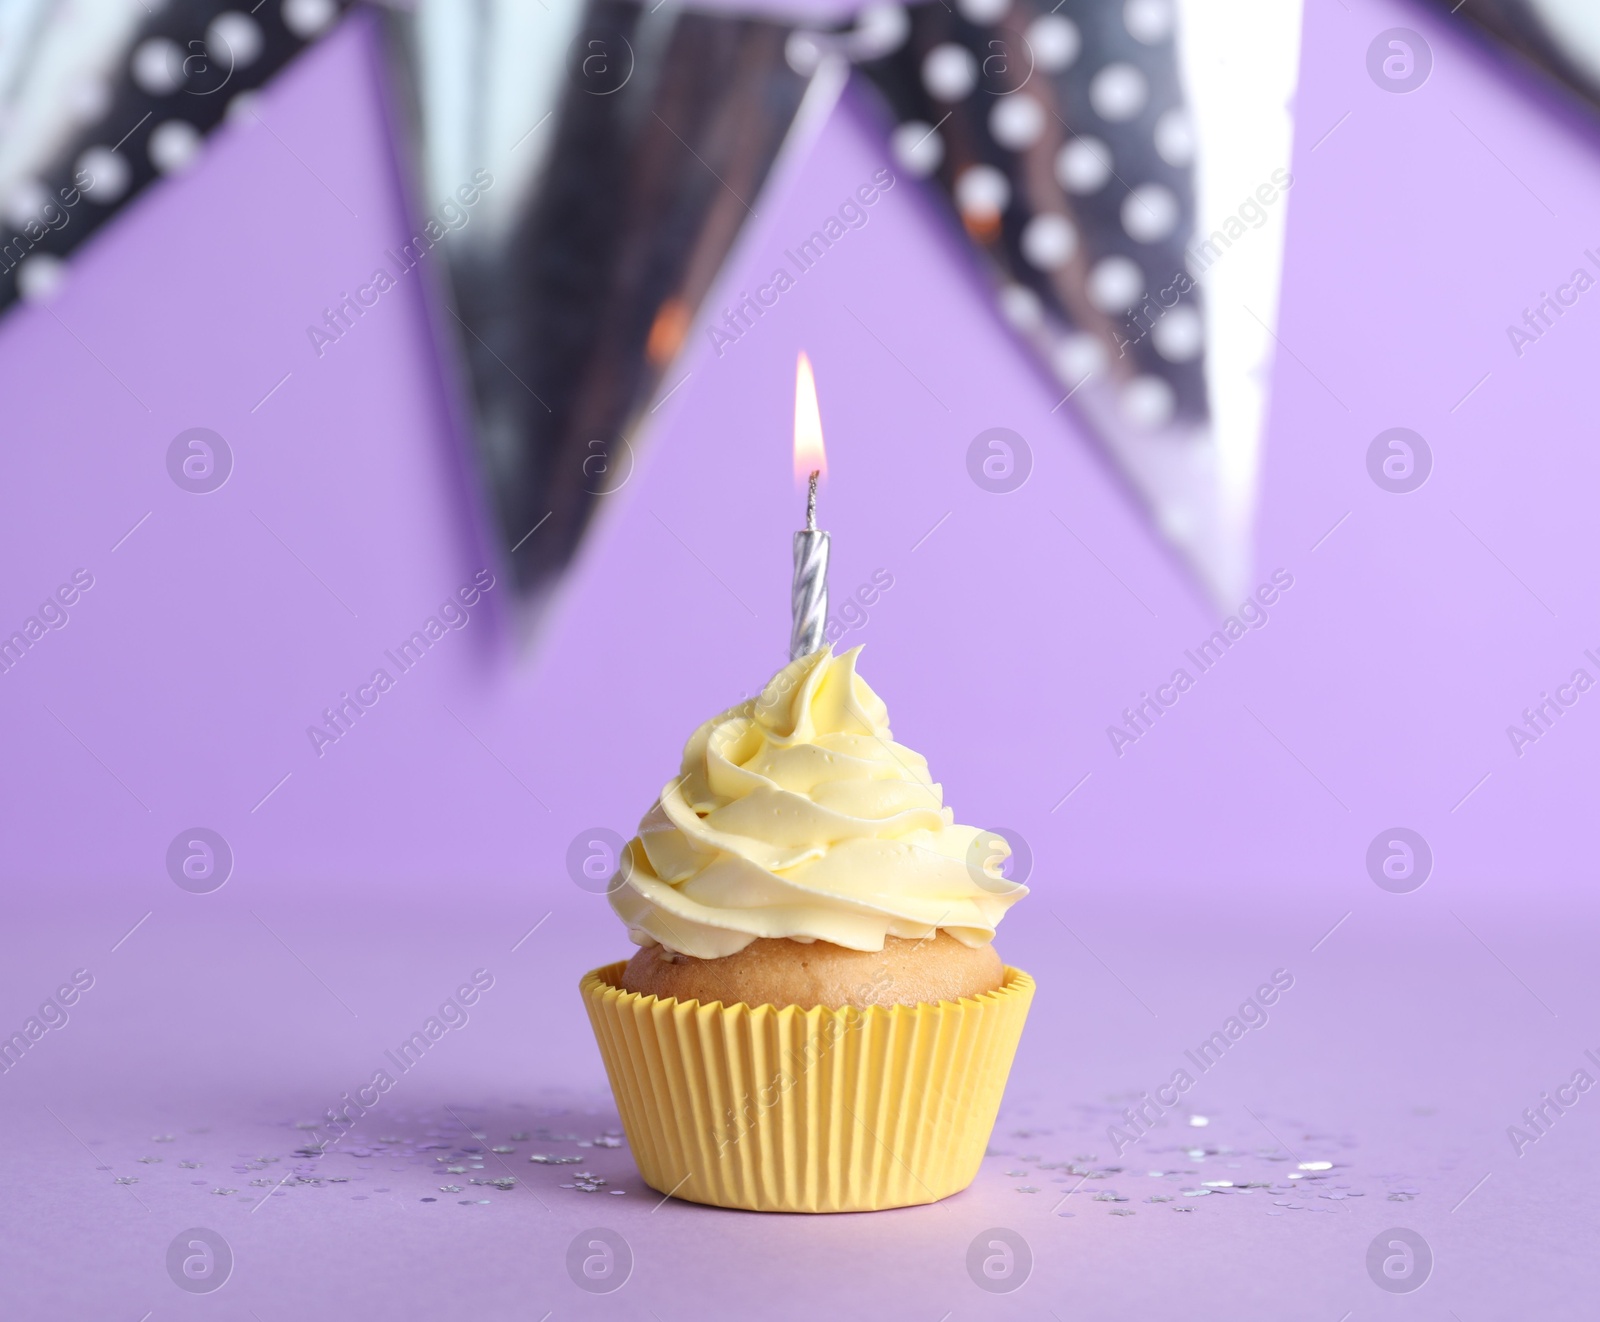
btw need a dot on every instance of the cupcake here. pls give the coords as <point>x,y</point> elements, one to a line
<point>816,1019</point>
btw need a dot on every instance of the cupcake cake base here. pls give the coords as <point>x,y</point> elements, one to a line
<point>812,973</point>
<point>807,1110</point>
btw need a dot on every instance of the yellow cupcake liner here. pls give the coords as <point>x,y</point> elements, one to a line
<point>791,1110</point>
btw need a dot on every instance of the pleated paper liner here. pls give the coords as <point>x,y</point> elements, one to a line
<point>791,1110</point>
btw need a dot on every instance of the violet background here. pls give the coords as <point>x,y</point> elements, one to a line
<point>1166,887</point>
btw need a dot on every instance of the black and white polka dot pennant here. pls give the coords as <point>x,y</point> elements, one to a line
<point>100,101</point>
<point>1063,142</point>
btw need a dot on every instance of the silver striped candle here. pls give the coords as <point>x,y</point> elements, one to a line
<point>809,598</point>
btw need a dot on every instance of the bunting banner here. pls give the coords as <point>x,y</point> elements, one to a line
<point>1118,167</point>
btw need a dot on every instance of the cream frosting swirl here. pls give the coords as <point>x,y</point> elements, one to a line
<point>797,815</point>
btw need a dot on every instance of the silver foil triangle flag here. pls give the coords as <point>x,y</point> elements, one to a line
<point>627,146</point>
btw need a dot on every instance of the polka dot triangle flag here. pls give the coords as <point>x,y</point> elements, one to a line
<point>102,100</point>
<point>1101,229</point>
<point>1067,142</point>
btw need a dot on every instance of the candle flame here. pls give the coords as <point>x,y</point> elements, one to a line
<point>809,456</point>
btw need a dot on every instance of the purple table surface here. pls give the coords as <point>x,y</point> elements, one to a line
<point>1169,881</point>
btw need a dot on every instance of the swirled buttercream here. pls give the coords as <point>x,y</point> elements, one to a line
<point>797,815</point>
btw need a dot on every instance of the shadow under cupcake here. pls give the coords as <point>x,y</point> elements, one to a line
<point>816,1020</point>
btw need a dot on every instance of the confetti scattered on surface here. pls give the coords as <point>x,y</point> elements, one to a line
<point>1171,1164</point>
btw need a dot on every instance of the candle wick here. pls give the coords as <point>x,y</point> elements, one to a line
<point>811,503</point>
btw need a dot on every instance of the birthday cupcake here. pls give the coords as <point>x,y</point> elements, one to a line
<point>816,1019</point>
